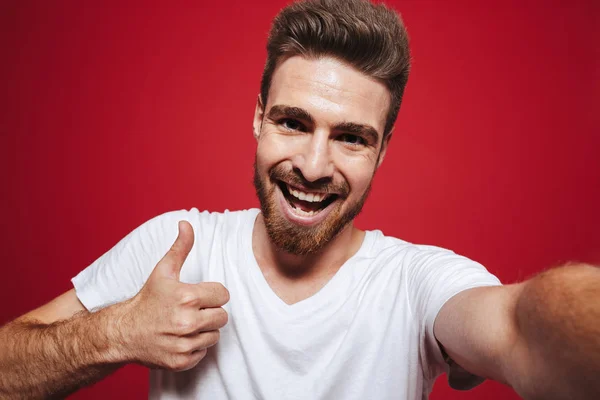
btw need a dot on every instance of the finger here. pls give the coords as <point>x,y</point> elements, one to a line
<point>199,354</point>
<point>210,294</point>
<point>193,344</point>
<point>205,340</point>
<point>171,263</point>
<point>210,319</point>
<point>189,361</point>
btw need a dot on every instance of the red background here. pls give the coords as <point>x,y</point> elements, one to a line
<point>114,113</point>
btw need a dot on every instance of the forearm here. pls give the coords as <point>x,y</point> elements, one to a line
<point>51,361</point>
<point>558,315</point>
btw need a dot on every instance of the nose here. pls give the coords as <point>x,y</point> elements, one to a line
<point>314,159</point>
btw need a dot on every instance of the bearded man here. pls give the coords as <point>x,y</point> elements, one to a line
<point>292,301</point>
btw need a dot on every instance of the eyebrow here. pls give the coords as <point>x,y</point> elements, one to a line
<point>292,112</point>
<point>281,110</point>
<point>359,129</point>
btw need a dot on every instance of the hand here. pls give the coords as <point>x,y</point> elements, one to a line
<point>170,324</point>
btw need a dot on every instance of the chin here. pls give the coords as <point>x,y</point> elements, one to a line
<point>303,226</point>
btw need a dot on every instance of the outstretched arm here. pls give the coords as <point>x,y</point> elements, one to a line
<point>542,336</point>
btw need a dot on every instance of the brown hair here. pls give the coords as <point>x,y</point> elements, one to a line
<point>369,37</point>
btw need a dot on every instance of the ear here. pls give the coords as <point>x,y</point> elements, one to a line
<point>384,147</point>
<point>258,117</point>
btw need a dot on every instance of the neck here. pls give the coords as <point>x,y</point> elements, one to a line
<point>326,261</point>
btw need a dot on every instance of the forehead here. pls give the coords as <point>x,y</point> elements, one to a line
<point>330,91</point>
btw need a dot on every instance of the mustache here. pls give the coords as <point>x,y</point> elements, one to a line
<point>295,178</point>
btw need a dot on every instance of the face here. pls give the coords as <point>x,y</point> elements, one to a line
<point>319,145</point>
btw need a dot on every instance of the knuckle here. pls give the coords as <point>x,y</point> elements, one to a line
<point>171,256</point>
<point>181,347</point>
<point>172,250</point>
<point>184,324</point>
<point>185,296</point>
<point>202,325</point>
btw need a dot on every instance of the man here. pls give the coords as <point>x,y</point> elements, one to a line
<point>294,301</point>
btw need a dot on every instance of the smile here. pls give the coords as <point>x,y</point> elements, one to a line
<point>305,207</point>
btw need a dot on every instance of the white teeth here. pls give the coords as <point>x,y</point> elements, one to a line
<point>303,213</point>
<point>311,197</point>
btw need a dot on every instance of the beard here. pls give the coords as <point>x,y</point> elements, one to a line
<point>296,239</point>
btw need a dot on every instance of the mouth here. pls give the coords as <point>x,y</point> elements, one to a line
<point>306,207</point>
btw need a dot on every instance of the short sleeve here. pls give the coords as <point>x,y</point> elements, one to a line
<point>121,272</point>
<point>436,275</point>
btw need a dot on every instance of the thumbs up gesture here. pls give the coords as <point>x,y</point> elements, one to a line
<point>170,324</point>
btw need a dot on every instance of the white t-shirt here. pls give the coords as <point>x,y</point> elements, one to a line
<point>367,334</point>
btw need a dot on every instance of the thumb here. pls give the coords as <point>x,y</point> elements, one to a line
<point>171,263</point>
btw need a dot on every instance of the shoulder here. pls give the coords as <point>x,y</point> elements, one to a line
<point>381,245</point>
<point>419,262</point>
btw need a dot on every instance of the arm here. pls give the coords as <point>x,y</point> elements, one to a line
<point>541,336</point>
<point>56,349</point>
<point>60,347</point>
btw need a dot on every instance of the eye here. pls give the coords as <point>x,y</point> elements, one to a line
<point>352,139</point>
<point>291,124</point>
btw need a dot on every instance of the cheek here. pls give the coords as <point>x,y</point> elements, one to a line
<point>273,149</point>
<point>357,171</point>
<point>360,184</point>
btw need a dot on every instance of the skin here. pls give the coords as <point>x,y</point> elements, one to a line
<point>539,336</point>
<point>319,148</point>
<point>61,347</point>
